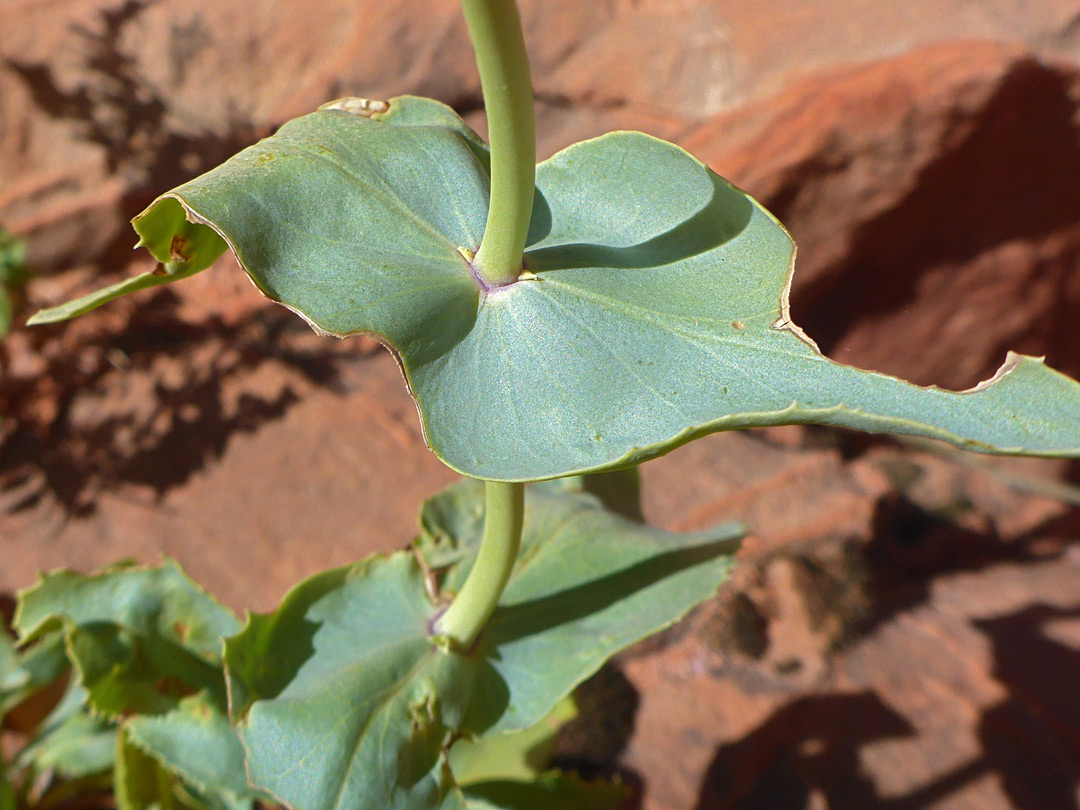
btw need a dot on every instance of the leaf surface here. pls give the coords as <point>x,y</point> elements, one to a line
<point>513,756</point>
<point>343,699</point>
<point>139,781</point>
<point>340,697</point>
<point>196,741</point>
<point>12,677</point>
<point>70,740</point>
<point>30,669</point>
<point>145,642</point>
<point>653,309</point>
<point>588,583</point>
<point>510,771</point>
<point>140,638</point>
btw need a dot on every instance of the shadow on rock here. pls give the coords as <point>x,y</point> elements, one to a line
<point>805,755</point>
<point>127,116</point>
<point>1001,179</point>
<point>806,750</point>
<point>149,402</point>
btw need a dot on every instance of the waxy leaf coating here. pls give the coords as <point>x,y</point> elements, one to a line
<point>587,583</point>
<point>653,309</point>
<point>343,699</point>
<point>196,741</point>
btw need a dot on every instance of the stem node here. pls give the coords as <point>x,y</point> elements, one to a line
<point>495,30</point>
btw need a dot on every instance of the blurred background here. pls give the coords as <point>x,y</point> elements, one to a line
<point>904,631</point>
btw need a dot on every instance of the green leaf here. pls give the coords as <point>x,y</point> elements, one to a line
<point>12,677</point>
<point>514,756</point>
<point>80,306</point>
<point>587,584</point>
<point>196,742</point>
<point>31,669</point>
<point>7,791</point>
<point>140,783</point>
<point>7,315</point>
<point>658,314</point>
<point>618,490</point>
<point>342,699</point>
<point>14,273</point>
<point>654,309</point>
<point>71,741</point>
<point>140,638</point>
<point>416,111</point>
<point>550,791</point>
<point>182,246</point>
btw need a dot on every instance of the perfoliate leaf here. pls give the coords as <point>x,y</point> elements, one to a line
<point>653,309</point>
<point>343,698</point>
<point>140,638</point>
<point>587,584</point>
<point>70,740</point>
<point>196,742</point>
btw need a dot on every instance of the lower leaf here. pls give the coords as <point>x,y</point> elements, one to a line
<point>196,742</point>
<point>71,741</point>
<point>140,783</point>
<point>588,583</point>
<point>342,698</point>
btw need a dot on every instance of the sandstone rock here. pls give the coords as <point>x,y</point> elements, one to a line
<point>105,103</point>
<point>933,196</point>
<point>930,198</point>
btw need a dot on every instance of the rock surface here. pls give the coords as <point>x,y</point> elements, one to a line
<point>904,628</point>
<point>932,202</point>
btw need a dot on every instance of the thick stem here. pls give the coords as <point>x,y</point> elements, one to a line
<point>495,30</point>
<point>472,608</point>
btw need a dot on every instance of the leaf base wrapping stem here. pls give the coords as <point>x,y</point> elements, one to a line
<point>495,30</point>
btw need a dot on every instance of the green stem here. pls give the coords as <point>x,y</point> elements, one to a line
<point>472,608</point>
<point>495,30</point>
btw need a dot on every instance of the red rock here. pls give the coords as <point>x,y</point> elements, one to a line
<point>933,197</point>
<point>929,197</point>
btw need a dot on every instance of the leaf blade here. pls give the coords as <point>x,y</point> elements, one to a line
<point>356,712</point>
<point>652,321</point>
<point>654,309</point>
<point>588,583</point>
